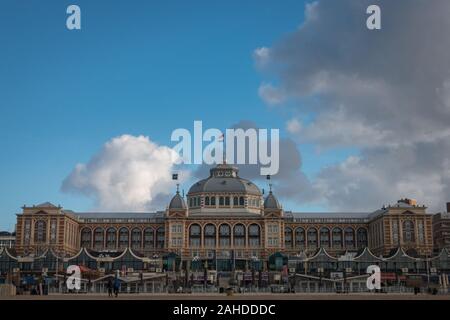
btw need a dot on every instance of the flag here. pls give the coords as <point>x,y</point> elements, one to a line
<point>175,176</point>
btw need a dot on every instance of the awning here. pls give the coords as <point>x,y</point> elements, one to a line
<point>84,269</point>
<point>391,276</point>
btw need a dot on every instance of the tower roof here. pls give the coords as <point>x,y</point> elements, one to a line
<point>177,202</point>
<point>271,202</point>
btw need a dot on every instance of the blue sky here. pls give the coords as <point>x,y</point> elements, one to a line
<point>141,67</point>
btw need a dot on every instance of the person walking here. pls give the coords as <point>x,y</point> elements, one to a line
<point>116,286</point>
<point>110,287</point>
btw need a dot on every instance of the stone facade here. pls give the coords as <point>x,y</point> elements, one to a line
<point>225,218</point>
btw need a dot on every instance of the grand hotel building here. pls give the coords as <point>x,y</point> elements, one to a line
<point>225,222</point>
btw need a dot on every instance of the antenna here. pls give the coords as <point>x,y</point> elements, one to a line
<point>270,184</point>
<point>175,178</point>
<point>224,156</point>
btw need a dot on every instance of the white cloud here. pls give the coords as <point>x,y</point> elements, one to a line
<point>293,126</point>
<point>270,94</point>
<point>261,56</point>
<point>128,173</point>
<point>311,12</point>
<point>386,92</point>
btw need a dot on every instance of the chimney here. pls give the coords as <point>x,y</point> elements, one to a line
<point>448,207</point>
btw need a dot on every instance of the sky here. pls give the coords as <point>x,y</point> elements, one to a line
<point>87,115</point>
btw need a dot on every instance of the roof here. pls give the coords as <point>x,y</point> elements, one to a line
<point>177,202</point>
<point>225,184</point>
<point>224,178</point>
<point>119,215</point>
<point>328,215</point>
<point>271,202</point>
<point>46,205</point>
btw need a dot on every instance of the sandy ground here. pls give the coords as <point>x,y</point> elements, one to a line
<point>269,296</point>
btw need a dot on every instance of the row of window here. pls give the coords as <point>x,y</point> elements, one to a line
<point>239,235</point>
<point>408,231</point>
<point>336,237</point>
<point>222,201</point>
<point>41,229</point>
<point>111,238</point>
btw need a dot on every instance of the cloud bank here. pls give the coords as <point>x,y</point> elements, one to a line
<point>128,173</point>
<point>386,92</point>
<point>289,183</point>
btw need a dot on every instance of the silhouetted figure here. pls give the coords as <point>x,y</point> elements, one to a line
<point>116,286</point>
<point>110,287</point>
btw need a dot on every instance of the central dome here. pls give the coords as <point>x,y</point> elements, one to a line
<point>224,178</point>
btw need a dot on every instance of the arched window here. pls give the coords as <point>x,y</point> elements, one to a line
<point>349,238</point>
<point>149,238</point>
<point>227,201</point>
<point>312,238</point>
<point>300,238</point>
<point>241,201</point>
<point>324,237</point>
<point>254,235</point>
<point>124,238</point>
<point>206,201</point>
<point>235,201</point>
<point>408,231</point>
<point>288,243</point>
<point>40,231</point>
<point>111,238</point>
<point>213,201</point>
<point>362,238</point>
<point>86,238</point>
<point>288,238</point>
<point>99,238</point>
<point>221,201</point>
<point>195,236</point>
<point>160,237</point>
<point>224,235</point>
<point>337,238</point>
<point>210,235</point>
<point>136,238</point>
<point>239,235</point>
